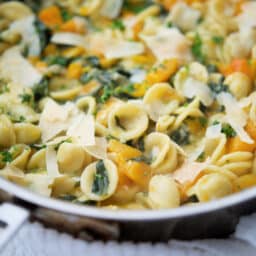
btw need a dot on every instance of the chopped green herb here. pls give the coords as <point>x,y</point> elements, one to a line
<point>124,90</point>
<point>197,49</point>
<point>203,121</point>
<point>6,156</point>
<point>118,24</point>
<point>66,15</point>
<point>4,87</point>
<point>228,130</point>
<point>169,24</point>
<point>181,136</point>
<point>101,180</point>
<point>26,98</point>
<point>218,39</point>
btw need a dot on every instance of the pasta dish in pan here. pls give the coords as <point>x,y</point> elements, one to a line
<point>128,103</point>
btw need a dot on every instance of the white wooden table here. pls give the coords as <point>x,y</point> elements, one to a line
<point>34,240</point>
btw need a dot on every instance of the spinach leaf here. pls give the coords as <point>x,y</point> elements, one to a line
<point>219,87</point>
<point>181,136</point>
<point>197,49</point>
<point>41,89</point>
<point>101,180</point>
<point>57,60</point>
<point>142,159</point>
<point>138,6</point>
<point>43,32</point>
<point>118,24</point>
<point>6,156</point>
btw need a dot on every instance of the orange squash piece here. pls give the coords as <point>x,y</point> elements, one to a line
<point>51,16</point>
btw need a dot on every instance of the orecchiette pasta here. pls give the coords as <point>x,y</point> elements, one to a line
<point>99,180</point>
<point>127,121</point>
<point>128,104</point>
<point>163,193</point>
<point>161,99</point>
<point>211,186</point>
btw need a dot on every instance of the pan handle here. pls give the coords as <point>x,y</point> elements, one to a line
<point>11,219</point>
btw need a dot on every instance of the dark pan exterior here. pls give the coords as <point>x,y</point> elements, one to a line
<point>212,220</point>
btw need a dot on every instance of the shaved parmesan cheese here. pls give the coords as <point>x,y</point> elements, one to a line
<point>68,38</point>
<point>213,131</point>
<point>51,162</point>
<point>15,67</point>
<point>188,172</point>
<point>111,8</point>
<point>246,102</point>
<point>53,120</point>
<point>184,16</point>
<point>83,128</point>
<point>235,116</point>
<point>114,48</point>
<point>138,76</point>
<point>169,43</point>
<point>99,150</point>
<point>30,38</point>
<point>40,183</point>
<point>246,20</point>
<point>194,88</point>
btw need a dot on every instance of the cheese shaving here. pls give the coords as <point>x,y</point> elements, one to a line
<point>213,131</point>
<point>169,43</point>
<point>14,67</point>
<point>194,88</point>
<point>30,38</point>
<point>83,128</point>
<point>246,20</point>
<point>51,162</point>
<point>68,38</point>
<point>114,48</point>
<point>188,172</point>
<point>99,150</point>
<point>111,8</point>
<point>235,116</point>
<point>53,120</point>
<point>40,183</point>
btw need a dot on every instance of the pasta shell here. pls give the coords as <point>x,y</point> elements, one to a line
<point>7,133</point>
<point>89,175</point>
<point>27,133</point>
<point>87,104</point>
<point>14,10</point>
<point>127,121</point>
<point>163,192</point>
<point>157,145</point>
<point>161,99</point>
<point>71,158</point>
